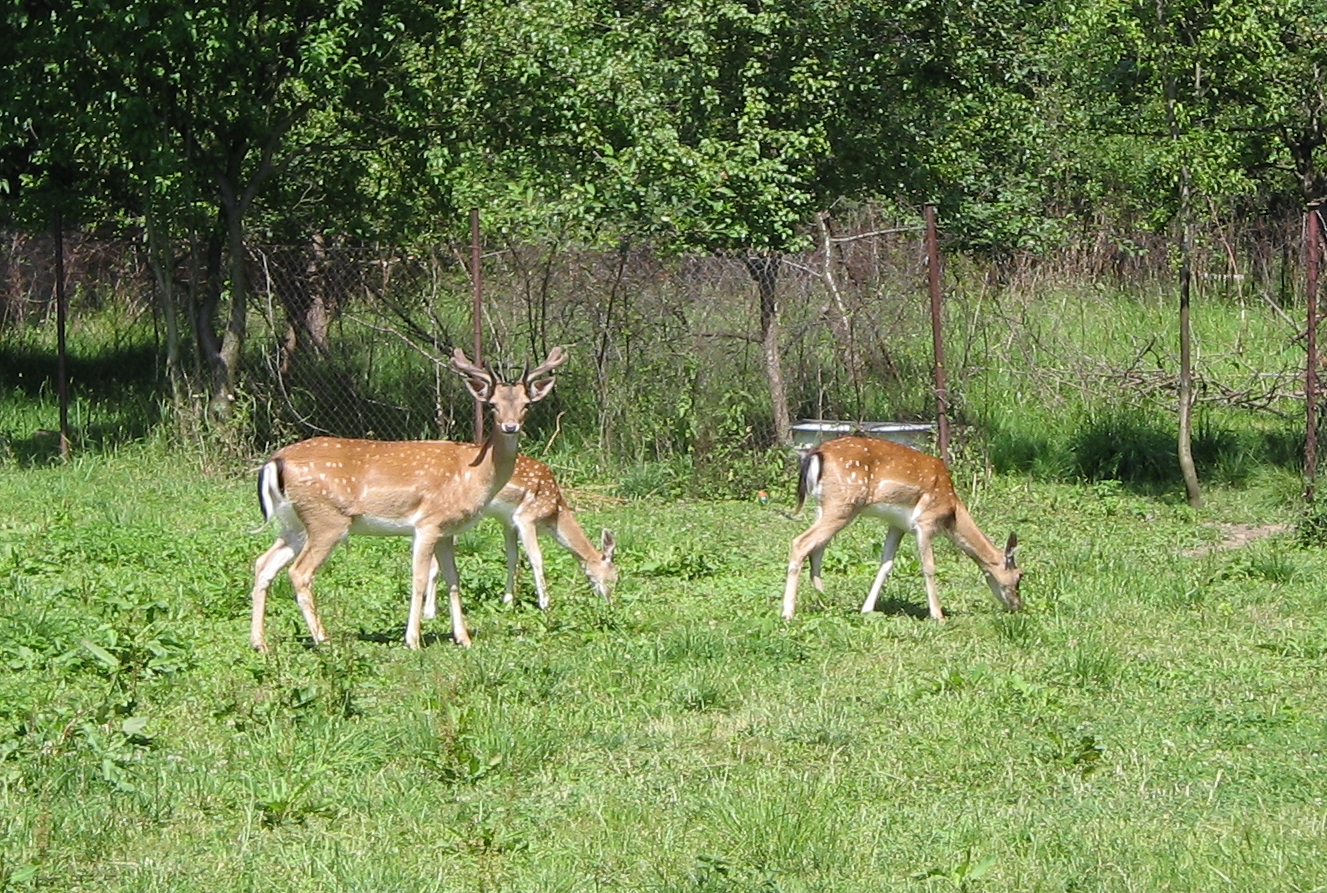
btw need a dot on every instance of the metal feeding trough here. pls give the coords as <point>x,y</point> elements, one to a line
<point>809,432</point>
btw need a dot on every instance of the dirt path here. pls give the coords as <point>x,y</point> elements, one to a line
<point>1235,536</point>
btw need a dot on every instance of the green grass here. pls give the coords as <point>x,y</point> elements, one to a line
<point>1078,384</point>
<point>1153,720</point>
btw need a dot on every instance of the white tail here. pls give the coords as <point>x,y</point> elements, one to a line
<point>532,502</point>
<point>325,489</point>
<point>910,491</point>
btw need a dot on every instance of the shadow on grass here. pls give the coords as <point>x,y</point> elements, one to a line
<point>1140,451</point>
<point>41,448</point>
<point>899,608</point>
<point>115,398</point>
<point>32,371</point>
<point>397,637</point>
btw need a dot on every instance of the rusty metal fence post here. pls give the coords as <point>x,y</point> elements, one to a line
<point>477,312</point>
<point>62,348</point>
<point>1313,249</point>
<point>937,334</point>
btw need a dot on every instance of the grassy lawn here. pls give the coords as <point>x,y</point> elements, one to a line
<point>1154,720</point>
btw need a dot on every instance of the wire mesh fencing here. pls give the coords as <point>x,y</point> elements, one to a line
<point>670,354</point>
<point>349,342</point>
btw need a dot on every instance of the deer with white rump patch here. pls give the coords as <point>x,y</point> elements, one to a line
<point>324,489</point>
<point>909,490</point>
<point>531,503</point>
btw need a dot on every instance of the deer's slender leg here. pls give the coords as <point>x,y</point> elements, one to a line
<point>887,553</point>
<point>810,540</point>
<point>311,557</point>
<point>530,543</point>
<point>265,569</point>
<point>927,553</point>
<point>513,554</point>
<point>445,550</point>
<point>422,550</point>
<point>431,591</point>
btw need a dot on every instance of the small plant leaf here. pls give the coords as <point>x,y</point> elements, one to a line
<point>109,661</point>
<point>978,871</point>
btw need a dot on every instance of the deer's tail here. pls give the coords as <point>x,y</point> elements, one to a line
<point>808,477</point>
<point>270,487</point>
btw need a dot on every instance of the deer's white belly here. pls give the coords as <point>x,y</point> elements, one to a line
<point>894,515</point>
<point>369,525</point>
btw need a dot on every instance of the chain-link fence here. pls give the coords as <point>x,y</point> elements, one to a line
<point>668,353</point>
<point>664,348</point>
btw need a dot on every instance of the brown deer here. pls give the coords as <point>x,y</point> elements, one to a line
<point>324,489</point>
<point>909,490</point>
<point>530,503</point>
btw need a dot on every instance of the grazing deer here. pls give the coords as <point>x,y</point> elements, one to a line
<point>324,489</point>
<point>532,502</point>
<point>909,490</point>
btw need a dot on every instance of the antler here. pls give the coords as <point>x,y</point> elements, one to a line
<point>461,363</point>
<point>481,382</point>
<point>556,357</point>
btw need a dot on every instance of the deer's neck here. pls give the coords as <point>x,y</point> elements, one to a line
<point>570,534</point>
<point>975,544</point>
<point>499,453</point>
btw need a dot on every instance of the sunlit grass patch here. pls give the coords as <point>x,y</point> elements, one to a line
<point>1126,724</point>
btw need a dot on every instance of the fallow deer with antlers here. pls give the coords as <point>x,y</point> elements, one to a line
<point>324,489</point>
<point>530,504</point>
<point>910,491</point>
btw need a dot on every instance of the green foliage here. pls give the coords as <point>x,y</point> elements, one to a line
<point>1148,91</point>
<point>681,562</point>
<point>280,802</point>
<point>459,755</point>
<point>1076,750</point>
<point>733,459</point>
<point>962,876</point>
<point>1312,524</point>
<point>683,737</point>
<point>714,125</point>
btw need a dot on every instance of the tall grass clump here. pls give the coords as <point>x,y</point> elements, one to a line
<point>1088,392</point>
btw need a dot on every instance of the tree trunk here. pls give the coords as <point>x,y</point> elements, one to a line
<point>1187,467</point>
<point>208,287</point>
<point>308,307</point>
<point>160,260</point>
<point>1313,254</point>
<point>318,320</point>
<point>605,323</point>
<point>836,314</point>
<point>764,269</point>
<point>232,343</point>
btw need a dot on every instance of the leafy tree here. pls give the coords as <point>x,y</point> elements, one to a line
<point>1249,101</point>
<point>746,130</point>
<point>943,103</point>
<point>193,110</point>
<point>697,123</point>
<point>1173,98</point>
<point>57,119</point>
<point>727,127</point>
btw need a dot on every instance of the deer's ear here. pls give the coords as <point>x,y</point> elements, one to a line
<point>538,390</point>
<point>479,380</point>
<point>1009,549</point>
<point>481,388</point>
<point>607,544</point>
